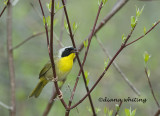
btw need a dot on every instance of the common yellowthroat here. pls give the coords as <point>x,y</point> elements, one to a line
<point>63,65</point>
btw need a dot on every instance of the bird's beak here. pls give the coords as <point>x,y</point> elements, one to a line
<point>75,50</point>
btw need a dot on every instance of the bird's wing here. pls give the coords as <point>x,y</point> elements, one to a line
<point>45,69</point>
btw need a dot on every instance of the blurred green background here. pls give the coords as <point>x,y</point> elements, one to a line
<point>31,57</point>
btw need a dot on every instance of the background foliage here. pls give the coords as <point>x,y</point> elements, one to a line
<point>30,58</point>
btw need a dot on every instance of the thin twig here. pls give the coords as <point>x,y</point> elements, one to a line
<point>5,106</point>
<point>51,101</point>
<point>115,9</point>
<point>10,59</point>
<point>89,41</point>
<point>120,104</point>
<point>79,62</point>
<point>150,85</point>
<point>27,39</point>
<point>4,9</point>
<point>109,64</point>
<point>117,67</point>
<point>81,66</point>
<point>52,58</point>
<point>144,34</point>
<point>62,26</point>
<point>157,113</point>
<point>50,49</point>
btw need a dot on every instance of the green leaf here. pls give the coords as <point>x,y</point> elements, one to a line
<point>57,7</point>
<point>106,63</point>
<point>110,112</point>
<point>146,57</point>
<point>49,5</point>
<point>89,109</point>
<point>75,27</point>
<point>123,38</point>
<point>5,2</point>
<point>86,76</point>
<point>104,1</point>
<point>105,110</point>
<point>117,107</point>
<point>48,21</point>
<point>144,30</point>
<point>154,23</point>
<point>85,43</point>
<point>133,112</point>
<point>127,112</point>
<point>55,22</point>
<point>139,12</point>
<point>148,73</point>
<point>66,26</point>
<point>133,22</point>
<point>99,2</point>
<point>98,110</point>
<point>44,20</point>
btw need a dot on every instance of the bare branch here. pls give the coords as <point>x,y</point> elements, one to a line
<point>29,38</point>
<point>150,85</point>
<point>81,67</point>
<point>50,49</point>
<point>144,34</point>
<point>117,67</point>
<point>4,9</point>
<point>51,101</point>
<point>157,113</point>
<point>10,59</point>
<point>115,9</point>
<point>106,69</point>
<point>5,106</point>
<point>120,104</point>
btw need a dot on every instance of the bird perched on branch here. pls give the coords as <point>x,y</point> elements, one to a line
<point>63,65</point>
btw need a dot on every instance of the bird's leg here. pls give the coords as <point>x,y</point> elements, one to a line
<point>60,95</point>
<point>55,79</point>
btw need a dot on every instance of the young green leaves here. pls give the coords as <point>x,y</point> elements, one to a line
<point>103,1</point>
<point>123,38</point>
<point>85,43</point>
<point>86,77</point>
<point>129,112</point>
<point>107,112</point>
<point>146,57</point>
<point>5,2</point>
<point>57,6</point>
<point>135,19</point>
<point>106,63</point>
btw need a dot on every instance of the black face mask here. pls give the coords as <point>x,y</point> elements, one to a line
<point>67,51</point>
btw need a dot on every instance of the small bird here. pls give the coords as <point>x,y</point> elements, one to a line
<point>63,65</point>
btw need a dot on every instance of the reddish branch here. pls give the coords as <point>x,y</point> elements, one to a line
<point>106,69</point>
<point>120,104</point>
<point>150,85</point>
<point>117,67</point>
<point>157,113</point>
<point>115,9</point>
<point>50,49</point>
<point>81,67</point>
<point>4,8</point>
<point>10,59</point>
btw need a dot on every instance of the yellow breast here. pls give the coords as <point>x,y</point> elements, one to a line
<point>65,65</point>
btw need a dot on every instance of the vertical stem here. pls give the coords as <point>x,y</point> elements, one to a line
<point>10,59</point>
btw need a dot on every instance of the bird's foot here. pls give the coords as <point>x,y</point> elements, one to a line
<point>60,95</point>
<point>55,79</point>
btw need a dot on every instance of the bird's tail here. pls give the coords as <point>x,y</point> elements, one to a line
<point>36,92</point>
